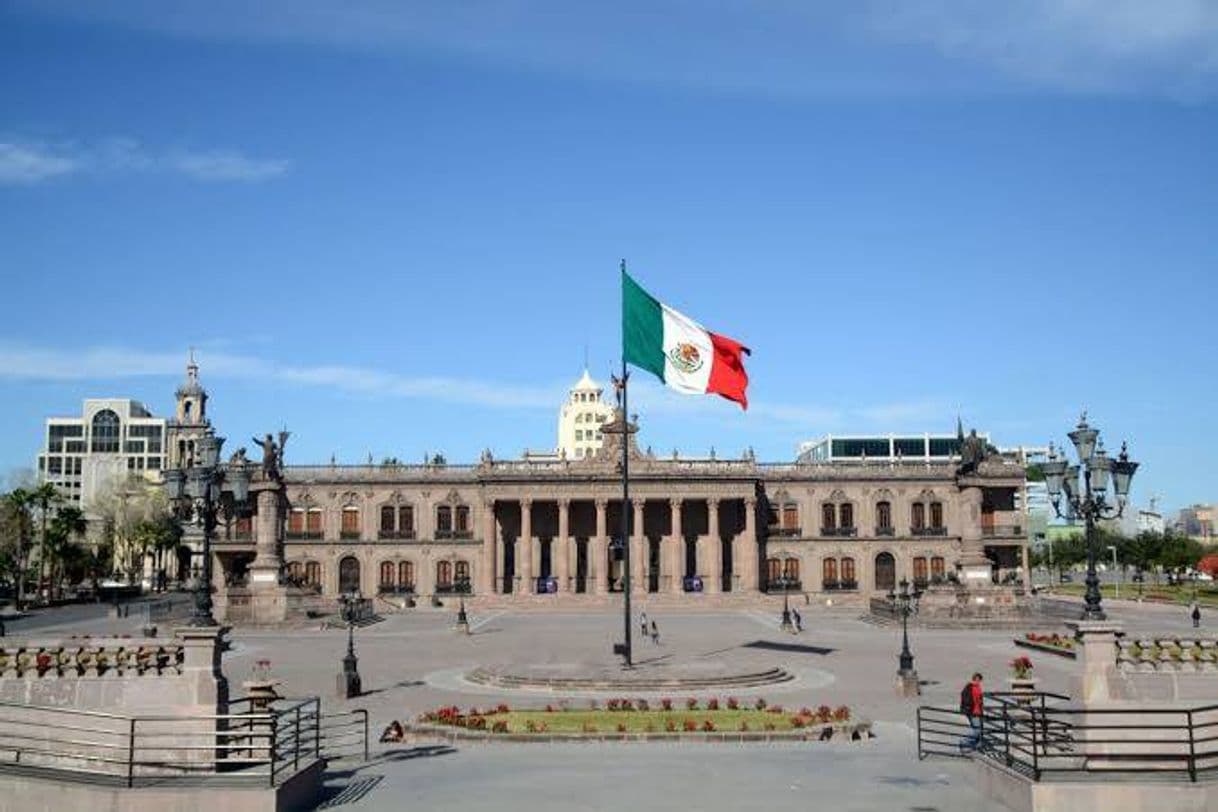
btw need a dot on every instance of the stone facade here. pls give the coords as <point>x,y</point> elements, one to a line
<point>696,526</point>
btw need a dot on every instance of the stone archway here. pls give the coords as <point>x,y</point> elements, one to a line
<point>348,575</point>
<point>885,572</point>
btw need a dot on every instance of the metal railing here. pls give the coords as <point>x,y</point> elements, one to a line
<point>1041,740</point>
<point>345,734</point>
<point>1002,530</point>
<point>256,745</point>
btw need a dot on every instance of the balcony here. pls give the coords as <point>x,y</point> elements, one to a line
<point>303,535</point>
<point>782,532</point>
<point>395,535</point>
<point>461,587</point>
<point>840,586</point>
<point>395,589</point>
<point>928,531</point>
<point>454,534</point>
<point>1002,530</point>
<point>780,585</point>
<point>845,532</point>
<point>885,531</point>
<point>350,535</point>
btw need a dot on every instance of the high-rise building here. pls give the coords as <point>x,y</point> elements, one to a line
<point>580,419</point>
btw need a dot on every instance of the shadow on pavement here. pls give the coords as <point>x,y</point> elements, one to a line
<point>793,647</point>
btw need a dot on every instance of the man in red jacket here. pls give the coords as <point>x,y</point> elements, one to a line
<point>971,705</point>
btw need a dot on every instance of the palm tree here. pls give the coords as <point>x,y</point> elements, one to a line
<point>17,503</point>
<point>69,523</point>
<point>43,496</point>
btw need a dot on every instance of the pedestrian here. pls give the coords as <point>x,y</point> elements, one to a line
<point>799,621</point>
<point>971,705</point>
<point>1196,615</point>
<point>655,633</point>
<point>643,623</point>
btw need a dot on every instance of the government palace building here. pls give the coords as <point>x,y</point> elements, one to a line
<point>549,524</point>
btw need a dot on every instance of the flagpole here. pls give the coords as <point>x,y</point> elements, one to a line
<point>626,586</point>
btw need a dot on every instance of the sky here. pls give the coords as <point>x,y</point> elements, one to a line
<point>395,227</point>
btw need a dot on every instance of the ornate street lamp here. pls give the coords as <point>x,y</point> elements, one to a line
<point>198,493</point>
<point>349,682</point>
<point>1091,502</point>
<point>786,603</point>
<point>905,603</point>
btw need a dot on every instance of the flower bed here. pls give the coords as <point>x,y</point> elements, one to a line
<point>1048,643</point>
<point>637,718</point>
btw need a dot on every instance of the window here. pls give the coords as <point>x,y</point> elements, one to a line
<point>883,516</point>
<point>846,514</point>
<point>444,521</point>
<point>154,463</point>
<point>919,571</point>
<point>936,515</point>
<point>296,571</point>
<point>313,573</point>
<point>918,517</point>
<point>106,429</point>
<point>828,573</point>
<point>462,527</point>
<point>579,435</point>
<point>944,447</point>
<point>350,528</point>
<point>54,465</point>
<point>388,572</point>
<point>296,522</point>
<point>828,516</point>
<point>910,447</point>
<point>773,570</point>
<point>790,517</point>
<point>313,522</point>
<point>848,580</point>
<point>461,572</point>
<point>405,521</point>
<point>388,514</point>
<point>406,575</point>
<point>790,570</point>
<point>244,527</point>
<point>444,574</point>
<point>936,567</point>
<point>579,418</point>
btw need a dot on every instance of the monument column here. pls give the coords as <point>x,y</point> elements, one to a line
<point>524,549</point>
<point>714,549</point>
<point>639,550</point>
<point>486,570</point>
<point>597,554</point>
<point>563,559</point>
<point>675,552</point>
<point>975,567</point>
<point>749,547</point>
<point>268,560</point>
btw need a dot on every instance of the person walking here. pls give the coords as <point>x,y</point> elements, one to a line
<point>799,621</point>
<point>971,705</point>
<point>655,633</point>
<point>1196,615</point>
<point>643,624</point>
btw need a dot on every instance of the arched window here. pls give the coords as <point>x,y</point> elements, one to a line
<point>828,518</point>
<point>848,579</point>
<point>388,516</point>
<point>919,571</point>
<point>828,573</point>
<point>773,570</point>
<point>351,525</point>
<point>406,575</point>
<point>917,518</point>
<point>296,571</point>
<point>885,572</point>
<point>462,522</point>
<point>444,575</point>
<point>444,522</point>
<point>405,521</point>
<point>348,575</point>
<point>461,573</point>
<point>312,573</point>
<point>388,573</point>
<point>106,430</point>
<point>313,523</point>
<point>397,522</point>
<point>936,515</point>
<point>883,518</point>
<point>845,516</point>
<point>790,571</point>
<point>296,523</point>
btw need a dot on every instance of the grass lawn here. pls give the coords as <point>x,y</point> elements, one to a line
<point>1206,596</point>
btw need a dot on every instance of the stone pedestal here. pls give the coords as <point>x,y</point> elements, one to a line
<point>1097,657</point>
<point>908,685</point>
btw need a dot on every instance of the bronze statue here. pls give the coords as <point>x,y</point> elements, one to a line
<point>973,452</point>
<point>270,456</point>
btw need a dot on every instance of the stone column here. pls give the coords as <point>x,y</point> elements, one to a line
<point>714,550</point>
<point>638,550</point>
<point>1097,653</point>
<point>563,558</point>
<point>748,567</point>
<point>487,567</point>
<point>673,561</point>
<point>268,561</point>
<point>975,567</point>
<point>597,552</point>
<point>524,549</point>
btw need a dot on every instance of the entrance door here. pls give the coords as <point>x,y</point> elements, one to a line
<point>348,575</point>
<point>885,572</point>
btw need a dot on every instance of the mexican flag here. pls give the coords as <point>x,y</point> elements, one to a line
<point>684,354</point>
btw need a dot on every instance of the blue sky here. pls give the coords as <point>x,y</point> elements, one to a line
<point>395,227</point>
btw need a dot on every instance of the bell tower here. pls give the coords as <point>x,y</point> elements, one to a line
<point>190,420</point>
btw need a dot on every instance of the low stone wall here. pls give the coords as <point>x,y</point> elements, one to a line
<point>838,732</point>
<point>1165,668</point>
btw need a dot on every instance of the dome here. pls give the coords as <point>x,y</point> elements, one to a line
<point>191,386</point>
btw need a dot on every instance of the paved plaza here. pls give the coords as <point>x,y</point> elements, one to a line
<point>415,661</point>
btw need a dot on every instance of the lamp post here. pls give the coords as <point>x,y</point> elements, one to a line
<point>905,604</point>
<point>349,683</point>
<point>786,603</point>
<point>460,586</point>
<point>198,493</point>
<point>1062,480</point>
<point>1117,583</point>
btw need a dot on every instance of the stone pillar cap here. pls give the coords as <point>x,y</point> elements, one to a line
<point>1095,626</point>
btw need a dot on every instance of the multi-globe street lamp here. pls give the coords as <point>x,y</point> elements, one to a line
<point>905,603</point>
<point>1098,470</point>
<point>349,683</point>
<point>198,493</point>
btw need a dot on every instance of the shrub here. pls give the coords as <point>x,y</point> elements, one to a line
<point>775,709</point>
<point>670,725</point>
<point>797,722</point>
<point>824,713</point>
<point>691,703</point>
<point>733,703</point>
<point>712,704</point>
<point>549,708</point>
<point>621,727</point>
<point>770,726</point>
<point>666,704</point>
<point>841,714</point>
<point>708,726</point>
<point>744,726</point>
<point>651,728</point>
<point>760,703</point>
<point>690,726</point>
<point>472,712</point>
<point>643,705</point>
<point>805,711</point>
<point>611,704</point>
<point>477,723</point>
<point>499,727</point>
<point>502,708</point>
<point>627,705</point>
<point>589,727</point>
<point>530,726</point>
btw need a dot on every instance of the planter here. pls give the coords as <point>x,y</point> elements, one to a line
<point>1023,685</point>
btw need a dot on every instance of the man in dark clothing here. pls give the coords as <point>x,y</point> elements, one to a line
<point>1196,615</point>
<point>971,705</point>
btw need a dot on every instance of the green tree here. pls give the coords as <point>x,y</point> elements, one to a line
<point>45,497</point>
<point>68,526</point>
<point>18,531</point>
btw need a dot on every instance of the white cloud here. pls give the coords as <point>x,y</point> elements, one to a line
<point>30,164</point>
<point>26,162</point>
